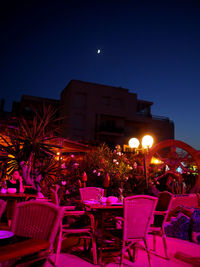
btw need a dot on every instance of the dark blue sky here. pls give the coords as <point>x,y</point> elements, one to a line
<point>149,47</point>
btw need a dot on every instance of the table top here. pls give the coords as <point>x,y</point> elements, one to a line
<point>17,247</point>
<point>17,195</point>
<point>102,206</point>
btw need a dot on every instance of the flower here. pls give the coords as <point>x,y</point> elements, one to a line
<point>63,166</point>
<point>63,183</point>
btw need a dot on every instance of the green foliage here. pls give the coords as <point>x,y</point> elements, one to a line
<point>30,141</point>
<point>100,162</point>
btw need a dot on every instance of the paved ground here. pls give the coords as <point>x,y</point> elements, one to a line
<point>181,253</point>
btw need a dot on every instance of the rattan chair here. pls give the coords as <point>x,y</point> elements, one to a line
<point>138,211</point>
<point>39,220</point>
<point>69,227</point>
<point>88,193</point>
<point>80,230</point>
<point>160,216</point>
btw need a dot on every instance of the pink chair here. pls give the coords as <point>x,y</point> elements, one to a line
<point>66,230</point>
<point>39,220</point>
<point>94,193</point>
<point>138,211</point>
<point>161,212</point>
<point>81,231</point>
<point>55,199</point>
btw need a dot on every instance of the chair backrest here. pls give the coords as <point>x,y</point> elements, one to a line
<point>2,207</point>
<point>88,193</point>
<point>138,211</point>
<point>37,219</point>
<point>164,201</point>
<point>164,204</point>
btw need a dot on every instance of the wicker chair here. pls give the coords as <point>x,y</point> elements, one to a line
<point>39,220</point>
<point>138,211</point>
<point>160,216</point>
<point>55,199</point>
<point>88,193</point>
<point>85,231</point>
<point>66,230</point>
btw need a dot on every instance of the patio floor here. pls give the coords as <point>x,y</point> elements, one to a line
<point>182,254</point>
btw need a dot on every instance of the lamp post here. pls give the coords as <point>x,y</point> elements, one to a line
<point>147,142</point>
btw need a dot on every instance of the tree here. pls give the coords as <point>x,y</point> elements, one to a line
<point>30,141</point>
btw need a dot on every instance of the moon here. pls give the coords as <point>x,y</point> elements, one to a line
<point>98,51</point>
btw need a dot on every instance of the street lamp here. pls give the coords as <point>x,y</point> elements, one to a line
<point>147,142</point>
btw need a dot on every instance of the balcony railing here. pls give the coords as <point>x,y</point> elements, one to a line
<point>155,117</point>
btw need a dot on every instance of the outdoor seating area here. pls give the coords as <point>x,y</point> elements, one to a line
<point>96,232</point>
<point>181,254</point>
<point>101,207</point>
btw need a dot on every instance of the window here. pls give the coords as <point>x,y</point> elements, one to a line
<point>80,101</point>
<point>117,102</point>
<point>106,100</point>
<point>79,121</point>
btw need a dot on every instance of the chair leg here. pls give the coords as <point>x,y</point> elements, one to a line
<point>132,255</point>
<point>100,255</point>
<point>154,242</point>
<point>122,254</point>
<point>94,249</point>
<point>85,244</point>
<point>147,250</point>
<point>58,248</point>
<point>165,245</point>
<point>90,245</point>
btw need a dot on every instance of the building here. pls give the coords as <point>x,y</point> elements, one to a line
<point>95,113</point>
<point>28,103</point>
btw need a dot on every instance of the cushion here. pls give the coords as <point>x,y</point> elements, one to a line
<point>195,220</point>
<point>178,227</point>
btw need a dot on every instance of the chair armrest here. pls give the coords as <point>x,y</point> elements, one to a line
<point>73,212</point>
<point>69,208</point>
<point>81,213</point>
<point>112,222</point>
<point>158,212</point>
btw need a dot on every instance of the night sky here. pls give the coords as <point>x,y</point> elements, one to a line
<point>149,47</point>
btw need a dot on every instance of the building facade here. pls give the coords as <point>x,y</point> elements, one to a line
<point>95,113</point>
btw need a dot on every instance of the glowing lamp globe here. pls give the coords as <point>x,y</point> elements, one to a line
<point>133,143</point>
<point>147,141</point>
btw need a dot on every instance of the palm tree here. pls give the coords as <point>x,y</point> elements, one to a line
<point>29,141</point>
